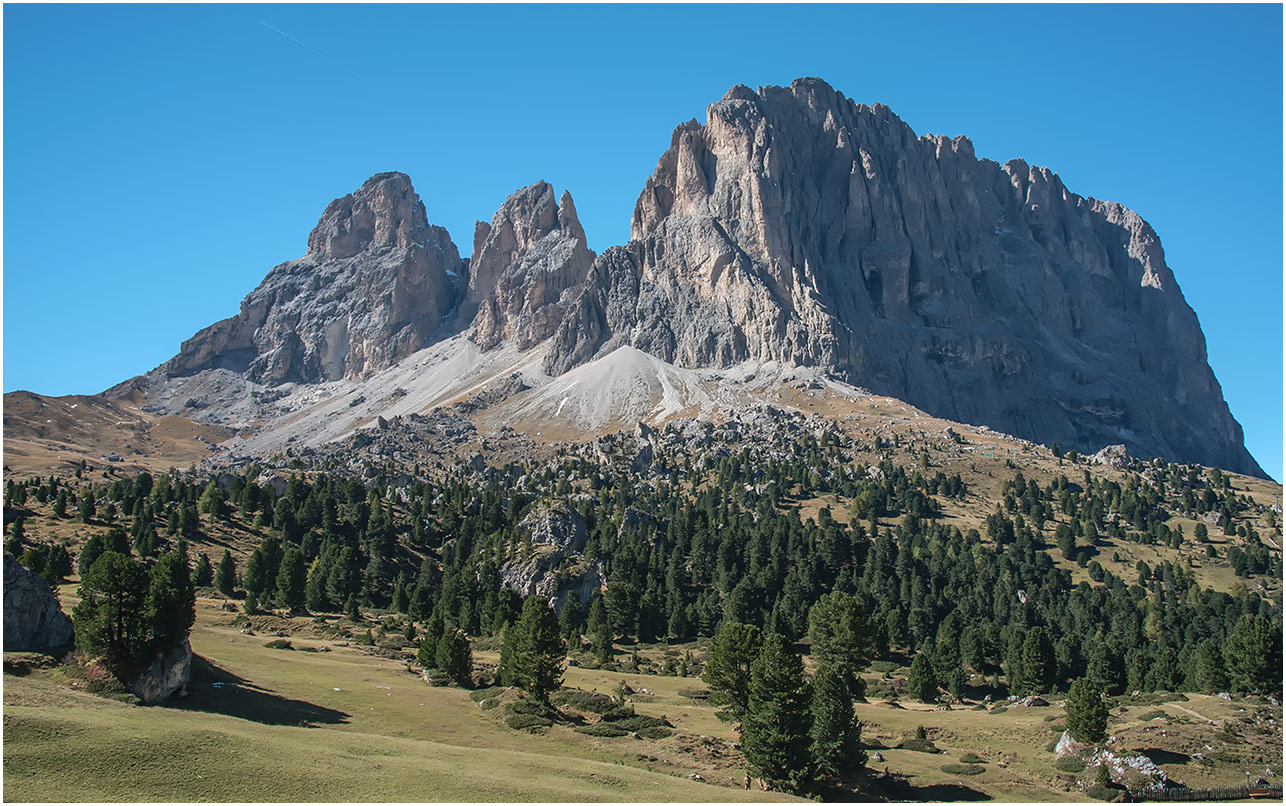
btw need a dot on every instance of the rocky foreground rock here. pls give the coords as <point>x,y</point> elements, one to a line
<point>33,619</point>
<point>794,226</point>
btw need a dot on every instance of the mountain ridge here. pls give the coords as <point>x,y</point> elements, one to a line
<point>794,226</point>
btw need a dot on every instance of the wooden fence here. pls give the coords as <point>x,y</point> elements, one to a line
<point>1216,793</point>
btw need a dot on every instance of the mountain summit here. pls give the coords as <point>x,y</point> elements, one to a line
<point>792,227</point>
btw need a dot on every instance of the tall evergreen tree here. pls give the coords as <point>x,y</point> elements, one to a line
<point>538,651</point>
<point>1253,655</point>
<point>778,719</point>
<point>292,580</point>
<point>455,657</point>
<point>727,670</point>
<point>1086,712</point>
<point>836,733</point>
<point>922,681</point>
<point>841,636</point>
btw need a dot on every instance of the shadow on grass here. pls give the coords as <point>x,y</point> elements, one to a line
<point>946,792</point>
<point>1159,756</point>
<point>217,691</point>
<point>892,786</point>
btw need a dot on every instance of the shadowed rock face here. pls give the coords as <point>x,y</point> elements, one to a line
<point>33,620</point>
<point>798,226</point>
<point>374,287</point>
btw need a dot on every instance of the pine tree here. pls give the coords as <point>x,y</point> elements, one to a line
<point>1086,712</point>
<point>836,733</point>
<point>778,719</point>
<point>1208,668</point>
<point>171,600</point>
<point>1039,665</point>
<point>727,670</point>
<point>110,619</point>
<point>225,579</point>
<point>841,636</point>
<point>538,651</point>
<point>454,657</point>
<point>428,654</point>
<point>1253,655</point>
<point>569,619</point>
<point>203,574</point>
<point>292,580</point>
<point>922,681</point>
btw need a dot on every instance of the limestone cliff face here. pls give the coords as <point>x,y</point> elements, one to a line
<point>373,288</point>
<point>533,251</point>
<point>798,226</point>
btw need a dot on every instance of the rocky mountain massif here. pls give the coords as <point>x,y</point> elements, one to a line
<point>794,228</point>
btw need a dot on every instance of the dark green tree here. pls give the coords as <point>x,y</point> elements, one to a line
<point>171,600</point>
<point>836,733</point>
<point>538,651</point>
<point>1253,655</point>
<point>1086,712</point>
<point>776,729</point>
<point>922,681</point>
<point>727,670</point>
<point>455,657</point>
<point>203,573</point>
<point>841,636</point>
<point>110,620</point>
<point>291,581</point>
<point>225,578</point>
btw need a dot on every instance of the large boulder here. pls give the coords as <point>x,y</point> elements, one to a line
<point>33,619</point>
<point>165,676</point>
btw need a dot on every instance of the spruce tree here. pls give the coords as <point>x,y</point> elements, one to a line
<point>291,581</point>
<point>454,657</point>
<point>428,654</point>
<point>836,733</point>
<point>1253,655</point>
<point>111,619</point>
<point>1086,712</point>
<point>171,600</point>
<point>727,670</point>
<point>203,573</point>
<point>776,729</point>
<point>922,681</point>
<point>538,651</point>
<point>841,636</point>
<point>225,579</point>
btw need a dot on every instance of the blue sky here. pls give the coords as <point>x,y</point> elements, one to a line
<point>160,159</point>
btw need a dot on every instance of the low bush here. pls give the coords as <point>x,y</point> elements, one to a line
<point>618,712</point>
<point>590,701</point>
<point>919,746</point>
<point>657,732</point>
<point>999,709</point>
<point>1153,714</point>
<point>604,730</point>
<point>884,666</point>
<point>487,705</point>
<point>1053,744</point>
<point>478,695</point>
<point>279,643</point>
<point>972,758</point>
<point>530,708</point>
<point>962,769</point>
<point>527,721</point>
<point>695,693</point>
<point>1100,792</point>
<point>638,723</point>
<point>1070,764</point>
<point>437,677</point>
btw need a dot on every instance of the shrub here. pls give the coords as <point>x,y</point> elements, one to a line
<point>884,666</point>
<point>638,723</point>
<point>437,677</point>
<point>656,732</point>
<point>1100,792</point>
<point>603,730</point>
<point>487,705</point>
<point>695,693</point>
<point>530,708</point>
<point>279,643</point>
<point>478,695</point>
<point>972,758</point>
<point>527,721</point>
<point>919,745</point>
<point>590,701</point>
<point>1154,714</point>
<point>1053,744</point>
<point>962,769</point>
<point>1070,764</point>
<point>999,709</point>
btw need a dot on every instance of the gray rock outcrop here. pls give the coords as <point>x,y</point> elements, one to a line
<point>525,264</point>
<point>165,676</point>
<point>797,226</point>
<point>33,620</point>
<point>373,288</point>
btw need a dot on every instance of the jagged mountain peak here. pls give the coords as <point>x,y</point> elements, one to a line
<point>792,227</point>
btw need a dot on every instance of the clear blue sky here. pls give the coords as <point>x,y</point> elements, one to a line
<point>160,159</point>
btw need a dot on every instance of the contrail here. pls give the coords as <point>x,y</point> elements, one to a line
<point>288,36</point>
